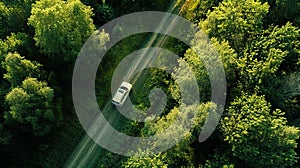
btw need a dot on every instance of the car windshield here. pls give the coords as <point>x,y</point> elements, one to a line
<point>121,91</point>
<point>124,88</point>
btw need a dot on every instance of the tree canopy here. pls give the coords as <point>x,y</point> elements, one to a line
<point>257,133</point>
<point>33,106</point>
<point>235,21</point>
<point>256,41</point>
<point>18,69</point>
<point>61,27</point>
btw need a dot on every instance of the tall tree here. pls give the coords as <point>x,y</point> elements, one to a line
<point>235,21</point>
<point>275,52</point>
<point>61,27</point>
<point>182,153</point>
<point>18,69</point>
<point>211,52</point>
<point>33,106</point>
<point>31,103</point>
<point>11,44</point>
<point>254,132</point>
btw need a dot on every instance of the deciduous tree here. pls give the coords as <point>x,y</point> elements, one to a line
<point>33,106</point>
<point>254,132</point>
<point>61,27</point>
<point>275,52</point>
<point>235,21</point>
<point>215,53</point>
<point>18,69</point>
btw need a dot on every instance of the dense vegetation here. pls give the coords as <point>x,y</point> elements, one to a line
<point>259,45</point>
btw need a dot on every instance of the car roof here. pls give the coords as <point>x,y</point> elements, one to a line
<point>118,96</point>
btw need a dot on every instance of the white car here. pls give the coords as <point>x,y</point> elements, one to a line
<point>121,94</point>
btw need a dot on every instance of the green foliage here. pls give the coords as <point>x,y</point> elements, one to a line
<point>98,41</point>
<point>157,161</point>
<point>195,10</point>
<point>11,44</point>
<point>283,95</point>
<point>14,15</point>
<point>109,159</point>
<point>5,136</point>
<point>20,12</point>
<point>129,6</point>
<point>221,158</point>
<point>61,27</point>
<point>257,42</point>
<point>210,52</point>
<point>54,153</point>
<point>103,14</point>
<point>283,11</point>
<point>276,51</point>
<point>151,79</point>
<point>187,80</point>
<point>4,13</point>
<point>103,11</point>
<point>33,105</point>
<point>256,133</point>
<point>235,21</point>
<point>18,68</point>
<point>182,153</point>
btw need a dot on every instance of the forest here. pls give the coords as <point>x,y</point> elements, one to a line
<point>258,43</point>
